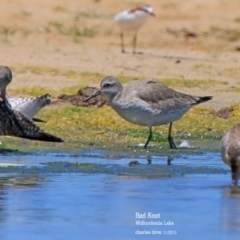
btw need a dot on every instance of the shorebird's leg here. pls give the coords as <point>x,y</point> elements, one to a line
<point>149,137</point>
<point>170,138</point>
<point>122,42</point>
<point>134,43</point>
<point>234,169</point>
<point>149,159</point>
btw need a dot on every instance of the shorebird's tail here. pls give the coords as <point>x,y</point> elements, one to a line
<point>29,130</point>
<point>203,99</point>
<point>38,120</point>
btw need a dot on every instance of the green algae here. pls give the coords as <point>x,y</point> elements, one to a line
<point>83,127</point>
<point>97,127</point>
<point>141,170</point>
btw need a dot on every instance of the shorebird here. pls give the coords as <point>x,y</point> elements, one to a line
<point>230,150</point>
<point>16,123</point>
<point>147,103</point>
<point>132,20</point>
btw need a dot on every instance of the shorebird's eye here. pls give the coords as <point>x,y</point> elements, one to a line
<point>107,85</point>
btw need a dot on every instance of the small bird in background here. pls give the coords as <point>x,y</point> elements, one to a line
<point>132,20</point>
<point>230,150</point>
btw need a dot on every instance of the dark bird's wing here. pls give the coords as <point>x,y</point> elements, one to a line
<point>14,123</point>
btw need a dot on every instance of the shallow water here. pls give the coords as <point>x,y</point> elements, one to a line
<point>100,195</point>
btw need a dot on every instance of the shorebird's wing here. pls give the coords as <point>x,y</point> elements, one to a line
<point>14,123</point>
<point>158,95</point>
<point>29,106</point>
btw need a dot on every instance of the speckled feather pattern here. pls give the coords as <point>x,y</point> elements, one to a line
<point>17,122</point>
<point>14,123</point>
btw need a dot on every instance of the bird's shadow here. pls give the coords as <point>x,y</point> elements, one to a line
<point>149,161</point>
<point>177,58</point>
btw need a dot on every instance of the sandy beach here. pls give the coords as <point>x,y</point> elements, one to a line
<point>42,41</point>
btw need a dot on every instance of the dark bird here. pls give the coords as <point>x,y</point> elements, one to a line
<point>14,122</point>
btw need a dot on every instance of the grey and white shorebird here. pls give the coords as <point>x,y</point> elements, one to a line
<point>147,103</point>
<point>14,122</point>
<point>230,151</point>
<point>131,20</point>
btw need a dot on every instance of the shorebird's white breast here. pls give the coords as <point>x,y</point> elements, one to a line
<point>141,113</point>
<point>131,21</point>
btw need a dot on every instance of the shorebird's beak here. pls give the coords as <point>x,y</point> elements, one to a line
<point>153,14</point>
<point>93,95</point>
